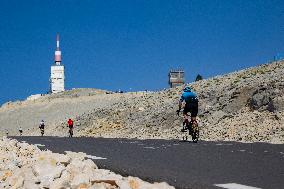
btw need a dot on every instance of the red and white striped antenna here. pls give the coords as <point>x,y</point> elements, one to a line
<point>57,56</point>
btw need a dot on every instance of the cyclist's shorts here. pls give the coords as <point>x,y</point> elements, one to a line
<point>70,126</point>
<point>192,108</point>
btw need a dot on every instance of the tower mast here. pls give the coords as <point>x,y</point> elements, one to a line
<point>57,57</point>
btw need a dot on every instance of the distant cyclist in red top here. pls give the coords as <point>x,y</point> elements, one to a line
<point>70,125</point>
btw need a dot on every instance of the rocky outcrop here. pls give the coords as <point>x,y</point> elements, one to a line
<point>268,98</point>
<point>24,166</point>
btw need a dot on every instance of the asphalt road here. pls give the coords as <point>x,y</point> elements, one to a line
<point>182,164</point>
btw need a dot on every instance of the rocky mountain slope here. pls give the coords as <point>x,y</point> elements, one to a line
<point>51,108</point>
<point>242,106</point>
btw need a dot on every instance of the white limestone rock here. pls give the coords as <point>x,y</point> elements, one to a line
<point>80,180</point>
<point>74,155</point>
<point>26,167</point>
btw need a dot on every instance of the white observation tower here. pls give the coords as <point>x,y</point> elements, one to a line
<point>57,77</point>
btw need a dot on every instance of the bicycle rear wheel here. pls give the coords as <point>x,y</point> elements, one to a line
<point>70,133</point>
<point>184,133</point>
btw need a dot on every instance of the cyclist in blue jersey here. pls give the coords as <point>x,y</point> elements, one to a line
<point>191,105</point>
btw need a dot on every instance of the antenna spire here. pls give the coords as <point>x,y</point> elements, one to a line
<point>57,42</point>
<point>57,57</point>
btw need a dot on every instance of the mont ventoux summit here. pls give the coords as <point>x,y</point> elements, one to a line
<point>245,106</point>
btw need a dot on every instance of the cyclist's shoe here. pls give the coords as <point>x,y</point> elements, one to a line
<point>189,128</point>
<point>178,111</point>
<point>184,129</point>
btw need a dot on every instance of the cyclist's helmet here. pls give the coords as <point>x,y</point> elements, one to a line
<point>187,89</point>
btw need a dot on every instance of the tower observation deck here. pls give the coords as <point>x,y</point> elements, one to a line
<point>176,78</point>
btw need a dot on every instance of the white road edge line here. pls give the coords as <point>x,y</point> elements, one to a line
<point>94,157</point>
<point>149,147</point>
<point>235,186</point>
<point>40,145</point>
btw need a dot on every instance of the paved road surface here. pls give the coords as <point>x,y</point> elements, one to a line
<point>182,164</point>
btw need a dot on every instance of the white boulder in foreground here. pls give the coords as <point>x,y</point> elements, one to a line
<point>24,166</point>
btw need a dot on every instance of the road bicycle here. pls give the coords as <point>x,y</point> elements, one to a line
<point>190,128</point>
<point>70,132</point>
<point>42,131</point>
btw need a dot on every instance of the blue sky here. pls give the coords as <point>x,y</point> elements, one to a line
<point>123,44</point>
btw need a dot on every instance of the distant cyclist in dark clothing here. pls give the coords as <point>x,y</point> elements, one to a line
<point>191,104</point>
<point>21,131</point>
<point>41,127</point>
<point>41,124</point>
